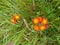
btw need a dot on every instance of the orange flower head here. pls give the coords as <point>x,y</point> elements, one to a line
<point>45,21</point>
<point>36,28</point>
<point>42,27</point>
<point>40,19</point>
<point>13,20</point>
<point>17,17</point>
<point>35,21</point>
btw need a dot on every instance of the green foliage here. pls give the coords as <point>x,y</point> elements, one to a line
<point>18,34</point>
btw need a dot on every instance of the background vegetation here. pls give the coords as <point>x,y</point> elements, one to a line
<point>23,32</point>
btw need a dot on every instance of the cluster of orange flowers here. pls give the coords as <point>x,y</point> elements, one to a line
<point>15,19</point>
<point>40,23</point>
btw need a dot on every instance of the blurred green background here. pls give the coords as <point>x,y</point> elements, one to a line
<point>19,34</point>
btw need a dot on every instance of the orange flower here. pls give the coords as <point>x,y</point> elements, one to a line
<point>40,19</point>
<point>36,27</point>
<point>42,27</point>
<point>17,17</point>
<point>13,20</point>
<point>35,21</point>
<point>45,21</point>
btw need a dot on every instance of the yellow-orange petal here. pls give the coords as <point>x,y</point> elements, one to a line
<point>42,27</point>
<point>13,20</point>
<point>36,28</point>
<point>45,21</point>
<point>35,21</point>
<point>17,17</point>
<point>40,19</point>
